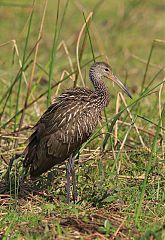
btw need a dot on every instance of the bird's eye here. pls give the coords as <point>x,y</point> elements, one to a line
<point>106,69</point>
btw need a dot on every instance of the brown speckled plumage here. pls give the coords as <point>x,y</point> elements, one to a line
<point>67,123</point>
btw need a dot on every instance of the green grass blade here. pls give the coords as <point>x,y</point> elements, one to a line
<point>151,160</point>
<point>147,66</point>
<point>90,40</point>
<point>23,62</point>
<point>8,93</point>
<point>52,58</point>
<point>54,48</point>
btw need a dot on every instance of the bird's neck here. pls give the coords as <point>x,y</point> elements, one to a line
<point>100,89</point>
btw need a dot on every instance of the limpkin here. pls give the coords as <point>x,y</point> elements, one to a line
<point>67,124</point>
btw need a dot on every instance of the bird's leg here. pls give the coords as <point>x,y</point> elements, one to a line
<point>73,180</point>
<point>68,172</point>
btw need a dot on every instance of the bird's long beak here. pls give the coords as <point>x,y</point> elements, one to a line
<point>119,83</point>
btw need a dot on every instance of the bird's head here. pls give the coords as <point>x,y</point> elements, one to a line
<point>103,70</point>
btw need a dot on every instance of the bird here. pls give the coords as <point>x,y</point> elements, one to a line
<point>68,123</point>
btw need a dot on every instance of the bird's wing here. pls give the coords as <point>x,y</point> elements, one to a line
<point>74,127</point>
<point>68,107</point>
<point>67,123</point>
